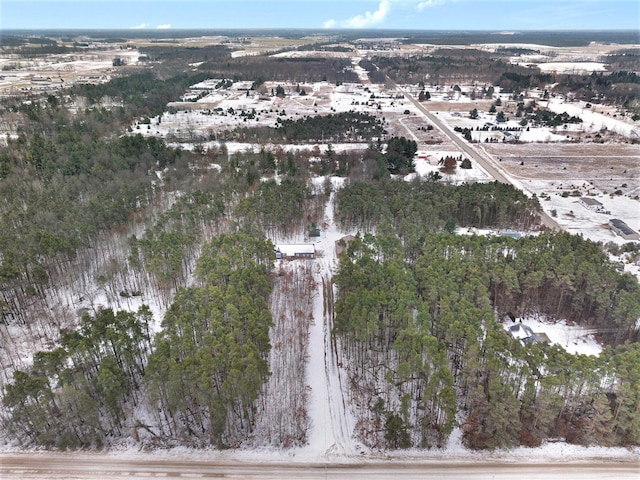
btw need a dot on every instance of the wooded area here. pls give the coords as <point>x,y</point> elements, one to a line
<point>423,350</point>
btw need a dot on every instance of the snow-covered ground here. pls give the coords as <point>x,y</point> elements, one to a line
<point>331,422</point>
<point>52,72</point>
<point>567,212</point>
<point>426,162</point>
<point>572,67</point>
<point>574,339</point>
<point>594,121</point>
<point>226,109</point>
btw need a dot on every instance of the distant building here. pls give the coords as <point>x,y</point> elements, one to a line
<point>377,43</point>
<point>623,229</point>
<point>40,79</point>
<point>590,203</point>
<point>298,251</point>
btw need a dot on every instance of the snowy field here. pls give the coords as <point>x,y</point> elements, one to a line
<point>572,67</point>
<point>57,71</point>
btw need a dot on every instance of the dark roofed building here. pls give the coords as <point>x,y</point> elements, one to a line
<point>623,229</point>
<point>295,251</point>
<point>590,203</point>
<point>343,243</point>
<point>525,334</point>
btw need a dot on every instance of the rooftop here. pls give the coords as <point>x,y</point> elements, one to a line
<point>590,201</point>
<point>620,225</point>
<point>291,250</point>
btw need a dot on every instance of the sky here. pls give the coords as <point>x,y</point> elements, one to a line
<point>318,14</point>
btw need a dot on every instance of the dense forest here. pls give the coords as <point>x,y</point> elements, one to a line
<point>423,349</point>
<point>201,374</point>
<point>442,67</point>
<point>64,180</point>
<point>301,70</point>
<point>427,205</point>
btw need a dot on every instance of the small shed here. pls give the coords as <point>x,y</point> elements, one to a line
<point>509,233</point>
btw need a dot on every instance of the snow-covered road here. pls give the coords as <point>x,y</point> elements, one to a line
<point>101,466</point>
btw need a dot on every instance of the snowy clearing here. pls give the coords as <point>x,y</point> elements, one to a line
<point>573,338</point>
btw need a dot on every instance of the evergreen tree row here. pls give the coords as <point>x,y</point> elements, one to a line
<point>425,205</point>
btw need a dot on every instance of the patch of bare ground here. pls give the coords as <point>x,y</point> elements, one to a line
<point>606,167</point>
<point>464,105</point>
<point>415,127</point>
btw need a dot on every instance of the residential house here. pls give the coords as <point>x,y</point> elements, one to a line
<point>524,333</point>
<point>298,251</point>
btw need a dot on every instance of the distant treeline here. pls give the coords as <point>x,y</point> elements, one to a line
<point>259,69</point>
<point>343,127</point>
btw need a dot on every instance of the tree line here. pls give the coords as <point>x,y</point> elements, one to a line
<point>342,127</point>
<point>443,66</point>
<point>262,68</point>
<point>426,205</point>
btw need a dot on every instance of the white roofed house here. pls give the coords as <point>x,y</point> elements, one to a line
<point>295,251</point>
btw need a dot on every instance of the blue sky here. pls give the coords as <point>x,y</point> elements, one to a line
<point>382,14</point>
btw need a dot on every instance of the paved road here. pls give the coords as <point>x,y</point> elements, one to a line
<point>101,466</point>
<point>475,154</point>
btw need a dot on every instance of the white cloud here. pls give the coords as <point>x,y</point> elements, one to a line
<point>165,26</point>
<point>369,19</point>
<point>430,3</point>
<point>330,23</point>
<point>141,26</point>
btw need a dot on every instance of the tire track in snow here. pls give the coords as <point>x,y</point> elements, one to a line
<point>330,432</point>
<point>337,408</point>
